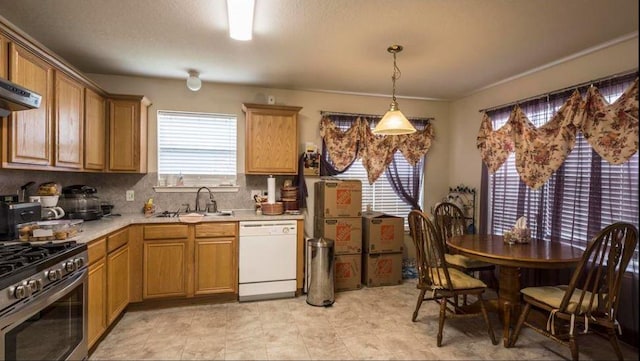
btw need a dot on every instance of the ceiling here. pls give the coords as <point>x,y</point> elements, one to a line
<point>451,47</point>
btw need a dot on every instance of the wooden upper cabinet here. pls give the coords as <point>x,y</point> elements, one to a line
<point>128,133</point>
<point>95,130</point>
<point>29,132</point>
<point>271,142</point>
<point>69,122</point>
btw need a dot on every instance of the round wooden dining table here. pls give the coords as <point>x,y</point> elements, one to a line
<point>511,257</point>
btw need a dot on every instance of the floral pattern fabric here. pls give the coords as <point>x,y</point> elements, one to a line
<point>414,146</point>
<point>541,151</point>
<point>342,146</point>
<point>494,146</point>
<point>376,151</point>
<point>612,130</point>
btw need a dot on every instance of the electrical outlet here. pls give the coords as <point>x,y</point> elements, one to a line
<point>255,192</point>
<point>130,195</point>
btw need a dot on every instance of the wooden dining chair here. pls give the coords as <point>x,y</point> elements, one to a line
<point>437,282</point>
<point>450,221</point>
<point>591,299</point>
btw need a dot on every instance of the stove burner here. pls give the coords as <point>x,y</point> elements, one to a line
<point>16,256</point>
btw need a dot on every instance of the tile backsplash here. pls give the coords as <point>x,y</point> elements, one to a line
<point>112,188</point>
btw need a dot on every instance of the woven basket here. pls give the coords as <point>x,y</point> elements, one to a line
<point>272,209</point>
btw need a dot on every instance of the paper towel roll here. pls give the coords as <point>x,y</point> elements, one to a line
<point>271,190</point>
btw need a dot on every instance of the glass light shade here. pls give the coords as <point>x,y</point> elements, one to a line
<point>240,14</point>
<point>394,123</point>
<point>193,82</point>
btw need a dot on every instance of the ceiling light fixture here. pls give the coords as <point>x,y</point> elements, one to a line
<point>193,81</point>
<point>240,14</point>
<point>394,122</point>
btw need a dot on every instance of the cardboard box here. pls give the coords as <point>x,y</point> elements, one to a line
<point>381,269</point>
<point>347,272</point>
<point>338,198</point>
<point>345,232</point>
<point>382,233</point>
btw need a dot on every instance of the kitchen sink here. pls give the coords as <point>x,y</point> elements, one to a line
<point>167,214</point>
<point>219,214</point>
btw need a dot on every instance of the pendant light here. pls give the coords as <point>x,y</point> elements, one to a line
<point>394,122</point>
<point>193,81</point>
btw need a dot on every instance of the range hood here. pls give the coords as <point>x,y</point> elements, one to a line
<point>13,97</point>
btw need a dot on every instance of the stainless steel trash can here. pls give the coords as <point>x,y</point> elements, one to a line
<point>319,267</point>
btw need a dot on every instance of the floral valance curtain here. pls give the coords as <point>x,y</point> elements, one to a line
<point>611,129</point>
<point>376,151</point>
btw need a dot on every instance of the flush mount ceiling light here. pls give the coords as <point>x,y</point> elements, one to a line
<point>394,122</point>
<point>193,81</point>
<point>240,14</point>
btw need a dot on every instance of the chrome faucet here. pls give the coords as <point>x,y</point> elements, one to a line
<point>211,206</point>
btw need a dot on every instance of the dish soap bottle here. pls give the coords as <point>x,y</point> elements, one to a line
<point>149,208</point>
<point>180,181</point>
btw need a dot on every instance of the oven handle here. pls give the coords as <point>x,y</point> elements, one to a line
<point>24,311</point>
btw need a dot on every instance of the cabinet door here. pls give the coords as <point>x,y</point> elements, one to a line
<point>271,139</point>
<point>97,301</point>
<point>118,282</point>
<point>95,130</point>
<point>69,121</point>
<point>164,273</point>
<point>215,265</point>
<point>30,131</point>
<point>124,135</point>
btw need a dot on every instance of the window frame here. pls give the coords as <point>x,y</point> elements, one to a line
<point>216,182</point>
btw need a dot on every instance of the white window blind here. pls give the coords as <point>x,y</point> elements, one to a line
<point>200,148</point>
<point>585,195</point>
<point>380,195</point>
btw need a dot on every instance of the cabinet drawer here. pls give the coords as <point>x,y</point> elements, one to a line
<point>216,229</point>
<point>96,250</point>
<point>117,239</point>
<point>166,231</point>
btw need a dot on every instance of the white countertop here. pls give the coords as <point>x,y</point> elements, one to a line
<point>98,228</point>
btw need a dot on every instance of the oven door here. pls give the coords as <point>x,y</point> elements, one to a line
<point>50,326</point>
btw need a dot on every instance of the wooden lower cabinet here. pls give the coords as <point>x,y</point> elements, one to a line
<point>164,268</point>
<point>181,261</point>
<point>118,281</point>
<point>97,301</point>
<point>215,265</point>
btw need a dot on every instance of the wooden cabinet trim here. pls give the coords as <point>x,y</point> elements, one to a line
<point>166,231</point>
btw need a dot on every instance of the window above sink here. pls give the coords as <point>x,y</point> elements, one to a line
<point>196,149</point>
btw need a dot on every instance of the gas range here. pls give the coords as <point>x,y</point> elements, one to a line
<point>28,268</point>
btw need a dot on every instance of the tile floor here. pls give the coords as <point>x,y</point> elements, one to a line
<point>372,323</point>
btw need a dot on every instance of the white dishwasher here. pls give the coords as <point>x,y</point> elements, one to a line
<point>267,262</point>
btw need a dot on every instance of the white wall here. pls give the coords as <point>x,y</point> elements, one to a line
<point>465,118</point>
<point>171,94</point>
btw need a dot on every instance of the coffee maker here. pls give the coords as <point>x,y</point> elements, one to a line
<point>80,202</point>
<point>50,209</point>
